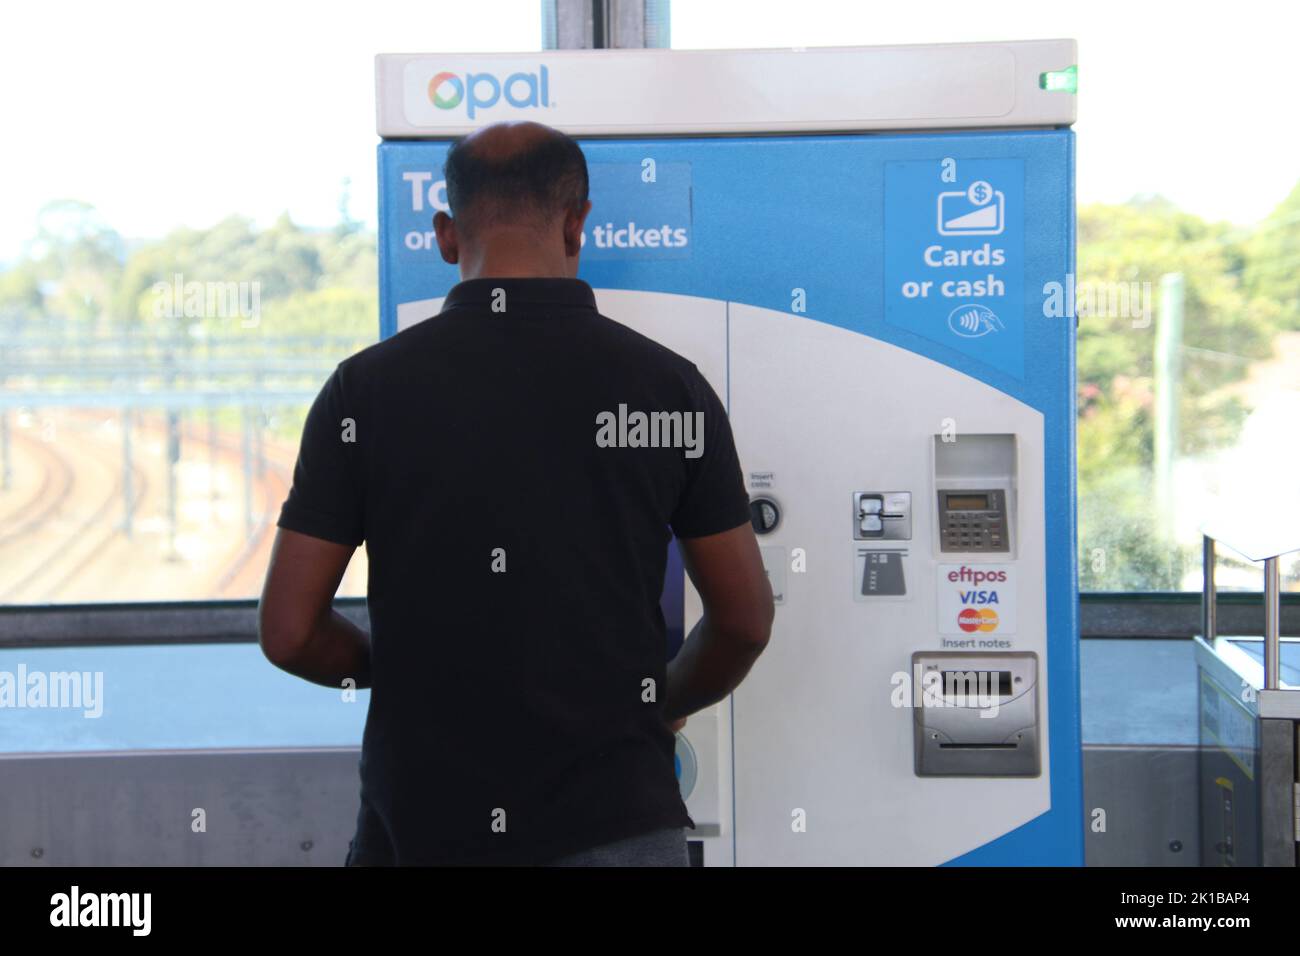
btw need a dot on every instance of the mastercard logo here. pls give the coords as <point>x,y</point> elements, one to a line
<point>982,619</point>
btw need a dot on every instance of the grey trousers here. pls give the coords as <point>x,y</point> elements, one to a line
<point>657,848</point>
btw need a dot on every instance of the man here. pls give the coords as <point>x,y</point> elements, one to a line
<point>520,703</point>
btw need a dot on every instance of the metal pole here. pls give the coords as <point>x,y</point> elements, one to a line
<point>600,24</point>
<point>173,452</point>
<point>6,469</point>
<point>567,24</point>
<point>1209,608</point>
<point>1272,630</point>
<point>605,24</point>
<point>6,464</point>
<point>209,378</point>
<point>212,452</point>
<point>173,459</point>
<point>636,24</point>
<point>259,422</point>
<point>128,485</point>
<point>1169,342</point>
<point>248,471</point>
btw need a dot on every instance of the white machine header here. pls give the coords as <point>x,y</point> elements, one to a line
<point>658,92</point>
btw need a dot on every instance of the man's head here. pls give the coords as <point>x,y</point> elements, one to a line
<point>518,198</point>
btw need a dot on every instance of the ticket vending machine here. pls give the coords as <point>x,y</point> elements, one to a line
<point>868,253</point>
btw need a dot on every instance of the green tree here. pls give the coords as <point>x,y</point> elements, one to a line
<point>1272,261</point>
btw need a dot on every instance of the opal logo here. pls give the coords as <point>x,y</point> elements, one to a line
<point>973,321</point>
<point>482,91</point>
<point>449,99</point>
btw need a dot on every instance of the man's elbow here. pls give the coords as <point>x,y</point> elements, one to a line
<point>281,638</point>
<point>750,627</point>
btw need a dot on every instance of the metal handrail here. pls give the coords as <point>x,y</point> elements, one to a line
<point>1272,610</point>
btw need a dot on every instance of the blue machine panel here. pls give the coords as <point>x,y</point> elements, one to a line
<point>939,244</point>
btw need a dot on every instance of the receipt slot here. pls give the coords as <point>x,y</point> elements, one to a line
<point>900,391</point>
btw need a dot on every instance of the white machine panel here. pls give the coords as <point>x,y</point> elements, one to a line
<point>824,761</point>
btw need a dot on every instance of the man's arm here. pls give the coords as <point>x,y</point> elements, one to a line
<point>727,570</point>
<point>297,627</point>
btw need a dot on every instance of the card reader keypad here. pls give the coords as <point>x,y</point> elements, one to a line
<point>973,521</point>
<point>977,534</point>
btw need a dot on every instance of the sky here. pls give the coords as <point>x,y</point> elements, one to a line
<point>163,114</point>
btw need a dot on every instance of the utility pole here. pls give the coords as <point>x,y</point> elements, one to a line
<point>1168,376</point>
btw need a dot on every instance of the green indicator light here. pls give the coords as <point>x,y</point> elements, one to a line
<point>1060,81</point>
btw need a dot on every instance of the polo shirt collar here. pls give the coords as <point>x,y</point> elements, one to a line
<point>562,293</point>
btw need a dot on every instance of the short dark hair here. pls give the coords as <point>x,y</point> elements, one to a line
<point>539,180</point>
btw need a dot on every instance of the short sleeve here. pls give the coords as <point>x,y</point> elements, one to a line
<point>326,498</point>
<point>713,499</point>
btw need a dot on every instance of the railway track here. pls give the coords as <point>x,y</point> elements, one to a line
<point>65,541</point>
<point>49,573</point>
<point>92,552</point>
<point>57,480</point>
<point>241,576</point>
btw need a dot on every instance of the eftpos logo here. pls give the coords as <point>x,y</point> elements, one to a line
<point>480,91</point>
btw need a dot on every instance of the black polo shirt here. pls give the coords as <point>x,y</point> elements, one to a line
<point>517,521</point>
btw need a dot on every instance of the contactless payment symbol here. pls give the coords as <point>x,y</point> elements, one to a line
<point>978,210</point>
<point>973,321</point>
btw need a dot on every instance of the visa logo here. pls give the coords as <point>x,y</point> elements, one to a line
<point>481,91</point>
<point>978,597</point>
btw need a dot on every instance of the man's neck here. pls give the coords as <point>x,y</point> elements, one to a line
<point>516,257</point>
<point>511,270</point>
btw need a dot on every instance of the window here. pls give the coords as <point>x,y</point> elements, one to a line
<point>182,262</point>
<point>1188,256</point>
<point>184,257</point>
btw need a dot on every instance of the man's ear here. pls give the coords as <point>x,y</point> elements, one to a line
<point>445,229</point>
<point>574,220</point>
